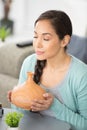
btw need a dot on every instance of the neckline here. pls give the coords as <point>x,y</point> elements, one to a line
<point>64,79</point>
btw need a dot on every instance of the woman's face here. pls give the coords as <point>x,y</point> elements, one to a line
<point>46,42</point>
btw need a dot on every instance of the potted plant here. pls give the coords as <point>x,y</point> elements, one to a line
<point>3,33</point>
<point>12,120</point>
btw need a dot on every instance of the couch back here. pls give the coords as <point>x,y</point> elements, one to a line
<point>78,47</point>
<point>11,58</point>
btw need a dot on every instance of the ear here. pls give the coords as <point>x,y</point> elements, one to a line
<point>65,40</point>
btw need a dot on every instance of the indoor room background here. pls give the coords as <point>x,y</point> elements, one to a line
<point>25,12</point>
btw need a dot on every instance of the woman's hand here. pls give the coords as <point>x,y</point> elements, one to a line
<point>10,92</point>
<point>39,105</point>
<point>9,95</point>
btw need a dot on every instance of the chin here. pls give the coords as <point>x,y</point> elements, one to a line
<point>40,57</point>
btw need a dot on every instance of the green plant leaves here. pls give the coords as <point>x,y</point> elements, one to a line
<point>3,33</point>
<point>12,119</point>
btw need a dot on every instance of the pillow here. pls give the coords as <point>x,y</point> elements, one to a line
<point>78,47</point>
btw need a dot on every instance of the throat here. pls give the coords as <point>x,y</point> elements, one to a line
<point>54,76</point>
<point>52,79</point>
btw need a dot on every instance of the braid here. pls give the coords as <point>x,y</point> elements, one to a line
<point>39,70</point>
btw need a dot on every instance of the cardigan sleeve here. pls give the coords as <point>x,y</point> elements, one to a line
<point>27,66</point>
<point>78,120</point>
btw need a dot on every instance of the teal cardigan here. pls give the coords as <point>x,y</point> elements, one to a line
<point>73,92</point>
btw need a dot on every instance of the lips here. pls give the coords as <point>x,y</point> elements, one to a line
<point>39,52</point>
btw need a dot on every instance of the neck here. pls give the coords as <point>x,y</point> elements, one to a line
<point>59,63</point>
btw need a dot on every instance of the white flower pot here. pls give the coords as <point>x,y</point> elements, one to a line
<point>13,128</point>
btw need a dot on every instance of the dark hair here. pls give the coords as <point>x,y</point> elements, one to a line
<point>62,25</point>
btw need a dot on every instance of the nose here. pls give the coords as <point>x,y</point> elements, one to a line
<point>38,43</point>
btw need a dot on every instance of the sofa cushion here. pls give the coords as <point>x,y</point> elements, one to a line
<point>78,47</point>
<point>11,58</point>
<point>6,83</point>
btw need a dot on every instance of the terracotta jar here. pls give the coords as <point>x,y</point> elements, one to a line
<point>23,95</point>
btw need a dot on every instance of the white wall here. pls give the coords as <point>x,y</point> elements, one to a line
<point>76,9</point>
<point>25,12</point>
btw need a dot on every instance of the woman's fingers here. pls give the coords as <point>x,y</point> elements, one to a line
<point>38,105</point>
<point>9,95</point>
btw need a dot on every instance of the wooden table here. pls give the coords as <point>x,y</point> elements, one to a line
<point>35,121</point>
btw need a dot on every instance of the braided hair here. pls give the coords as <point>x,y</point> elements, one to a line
<point>62,26</point>
<point>39,70</point>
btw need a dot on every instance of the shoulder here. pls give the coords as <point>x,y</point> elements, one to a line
<point>31,58</point>
<point>27,66</point>
<point>29,62</point>
<point>78,73</point>
<point>78,70</point>
<point>78,65</point>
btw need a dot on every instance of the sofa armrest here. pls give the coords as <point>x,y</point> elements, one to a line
<point>11,58</point>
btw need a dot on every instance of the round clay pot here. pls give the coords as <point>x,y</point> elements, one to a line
<point>23,95</point>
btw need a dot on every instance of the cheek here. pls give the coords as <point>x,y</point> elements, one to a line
<point>52,51</point>
<point>53,48</point>
<point>34,45</point>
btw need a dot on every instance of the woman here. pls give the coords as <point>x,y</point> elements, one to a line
<point>63,76</point>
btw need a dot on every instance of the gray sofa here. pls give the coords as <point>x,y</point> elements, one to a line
<point>11,59</point>
<point>78,47</point>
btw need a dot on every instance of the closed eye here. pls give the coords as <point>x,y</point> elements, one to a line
<point>46,39</point>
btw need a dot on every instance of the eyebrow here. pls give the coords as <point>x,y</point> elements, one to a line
<point>44,33</point>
